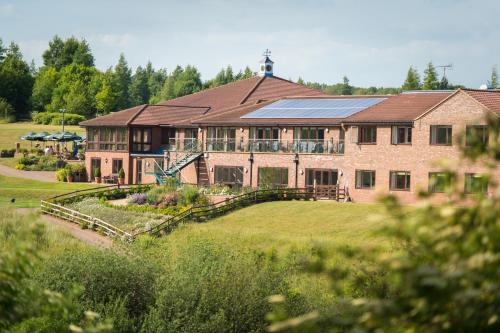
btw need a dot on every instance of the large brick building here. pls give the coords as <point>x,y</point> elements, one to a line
<point>269,131</point>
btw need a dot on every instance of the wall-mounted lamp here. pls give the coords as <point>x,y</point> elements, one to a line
<point>241,129</point>
<point>106,160</point>
<point>200,129</point>
<point>205,155</point>
<point>284,129</point>
<point>296,158</point>
<point>211,169</point>
<point>327,130</point>
<point>250,159</point>
<point>246,170</point>
<point>301,172</point>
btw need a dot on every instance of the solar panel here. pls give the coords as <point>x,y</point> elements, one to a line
<point>313,108</point>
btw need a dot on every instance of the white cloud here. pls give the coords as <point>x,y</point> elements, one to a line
<point>33,49</point>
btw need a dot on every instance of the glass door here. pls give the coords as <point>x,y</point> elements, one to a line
<point>138,171</point>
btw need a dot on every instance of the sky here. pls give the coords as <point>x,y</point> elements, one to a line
<point>373,43</point>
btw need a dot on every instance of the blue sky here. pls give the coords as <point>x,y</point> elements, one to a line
<point>372,42</point>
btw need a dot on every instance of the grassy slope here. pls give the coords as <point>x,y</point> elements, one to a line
<point>284,224</point>
<point>29,192</point>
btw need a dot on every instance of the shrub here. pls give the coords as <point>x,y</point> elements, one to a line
<point>106,277</point>
<point>61,175</point>
<point>121,173</point>
<point>190,195</point>
<point>7,112</point>
<point>55,118</point>
<point>156,194</point>
<point>20,166</point>
<point>97,172</point>
<point>29,160</point>
<point>7,152</point>
<point>138,198</point>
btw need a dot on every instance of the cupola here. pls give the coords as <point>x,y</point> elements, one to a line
<point>266,65</point>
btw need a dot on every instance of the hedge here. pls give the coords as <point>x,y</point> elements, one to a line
<point>55,118</point>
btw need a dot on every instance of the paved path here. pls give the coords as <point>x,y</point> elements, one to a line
<point>44,176</point>
<point>86,236</point>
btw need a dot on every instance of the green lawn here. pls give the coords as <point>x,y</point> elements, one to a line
<point>29,192</point>
<point>283,226</point>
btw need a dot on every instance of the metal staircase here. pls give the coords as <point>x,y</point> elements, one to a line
<point>176,166</point>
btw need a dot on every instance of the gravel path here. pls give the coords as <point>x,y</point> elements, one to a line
<point>86,236</point>
<point>44,176</point>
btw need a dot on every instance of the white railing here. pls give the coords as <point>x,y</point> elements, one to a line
<point>83,219</point>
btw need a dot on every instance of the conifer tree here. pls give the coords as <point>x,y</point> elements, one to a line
<point>493,82</point>
<point>139,89</point>
<point>431,81</point>
<point>346,89</point>
<point>122,78</point>
<point>412,81</point>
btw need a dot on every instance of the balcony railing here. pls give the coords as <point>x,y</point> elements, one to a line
<point>276,146</point>
<point>183,145</point>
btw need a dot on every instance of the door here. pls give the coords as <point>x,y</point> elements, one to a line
<point>138,171</point>
<point>326,181</point>
<point>190,136</point>
<point>168,137</point>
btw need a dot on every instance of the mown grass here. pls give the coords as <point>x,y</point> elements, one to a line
<point>28,193</point>
<point>12,132</point>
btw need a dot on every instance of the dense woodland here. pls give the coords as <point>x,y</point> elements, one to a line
<point>69,80</point>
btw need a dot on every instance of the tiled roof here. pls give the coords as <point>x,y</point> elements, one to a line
<point>213,100</point>
<point>489,98</point>
<point>405,107</point>
<point>168,115</point>
<point>120,118</point>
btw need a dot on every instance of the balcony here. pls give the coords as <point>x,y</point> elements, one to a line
<point>276,146</point>
<point>183,145</point>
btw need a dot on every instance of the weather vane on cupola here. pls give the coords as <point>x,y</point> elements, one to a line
<point>266,64</point>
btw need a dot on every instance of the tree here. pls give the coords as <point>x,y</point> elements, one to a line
<point>7,112</point>
<point>300,81</point>
<point>16,81</point>
<point>107,96</point>
<point>444,84</point>
<point>73,91</point>
<point>156,80</point>
<point>188,82</point>
<point>45,83</point>
<point>2,50</point>
<point>71,51</point>
<point>139,88</point>
<point>430,78</point>
<point>412,81</point>
<point>123,79</point>
<point>493,82</point>
<point>346,88</point>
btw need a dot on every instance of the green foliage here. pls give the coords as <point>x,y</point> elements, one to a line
<point>7,112</point>
<point>62,175</point>
<point>55,118</point>
<point>39,163</point>
<point>62,53</point>
<point>190,195</point>
<point>121,173</point>
<point>122,78</point>
<point>46,80</point>
<point>412,81</point>
<point>443,276</point>
<point>493,82</point>
<point>346,88</point>
<point>26,306</point>
<point>16,81</point>
<point>97,172</point>
<point>431,81</point>
<point>7,152</point>
<point>216,290</point>
<point>139,88</point>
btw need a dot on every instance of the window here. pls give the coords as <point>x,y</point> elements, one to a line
<point>309,133</point>
<point>401,135</point>
<point>399,180</point>
<point>117,165</point>
<point>273,177</point>
<point>476,135</point>
<point>141,139</point>
<point>475,183</point>
<point>323,177</point>
<point>221,139</point>
<point>229,176</point>
<point>167,134</point>
<point>367,134</point>
<point>441,135</point>
<point>107,138</point>
<point>365,178</point>
<point>439,181</point>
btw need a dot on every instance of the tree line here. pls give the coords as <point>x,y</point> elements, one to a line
<point>69,80</point>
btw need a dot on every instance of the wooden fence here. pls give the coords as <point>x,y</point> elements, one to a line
<point>54,206</point>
